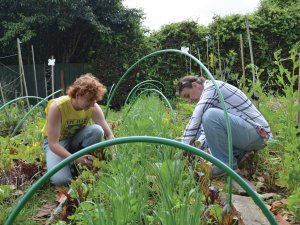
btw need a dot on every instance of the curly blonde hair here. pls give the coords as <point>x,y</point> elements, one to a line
<point>87,85</point>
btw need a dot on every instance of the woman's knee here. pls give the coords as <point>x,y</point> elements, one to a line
<point>211,115</point>
<point>93,134</point>
<point>96,130</point>
<point>61,178</point>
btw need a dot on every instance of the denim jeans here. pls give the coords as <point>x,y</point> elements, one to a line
<point>87,136</point>
<point>244,135</point>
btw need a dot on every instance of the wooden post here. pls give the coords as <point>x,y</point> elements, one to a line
<point>21,69</point>
<point>34,72</point>
<point>62,81</point>
<point>243,64</point>
<point>52,77</point>
<point>207,57</point>
<point>45,76</point>
<point>2,95</point>
<point>190,59</point>
<point>200,61</point>
<point>251,53</point>
<point>219,57</point>
<point>46,86</point>
<point>252,61</point>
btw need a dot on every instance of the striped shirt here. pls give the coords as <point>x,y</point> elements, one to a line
<point>236,103</point>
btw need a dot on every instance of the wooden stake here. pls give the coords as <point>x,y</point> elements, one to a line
<point>200,61</point>
<point>252,61</point>
<point>207,57</point>
<point>21,69</point>
<point>52,78</point>
<point>190,59</point>
<point>251,53</point>
<point>62,81</point>
<point>45,76</point>
<point>46,86</point>
<point>219,57</point>
<point>243,64</point>
<point>2,95</point>
<point>34,72</point>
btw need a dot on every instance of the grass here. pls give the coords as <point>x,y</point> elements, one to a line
<point>26,217</point>
<point>147,184</point>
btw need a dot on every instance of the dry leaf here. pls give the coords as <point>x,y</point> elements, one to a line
<point>62,194</point>
<point>281,184</point>
<point>281,220</point>
<point>60,198</point>
<point>276,205</point>
<point>45,211</point>
<point>284,201</point>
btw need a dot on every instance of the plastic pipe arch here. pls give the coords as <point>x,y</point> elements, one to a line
<point>39,103</point>
<point>134,139</point>
<point>162,95</point>
<point>230,160</point>
<point>17,99</point>
<point>139,85</point>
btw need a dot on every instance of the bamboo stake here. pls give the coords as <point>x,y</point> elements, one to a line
<point>251,52</point>
<point>242,59</point>
<point>45,80</point>
<point>252,61</point>
<point>21,69</point>
<point>219,57</point>
<point>2,95</point>
<point>52,78</point>
<point>190,59</point>
<point>200,61</point>
<point>34,71</point>
<point>62,81</point>
<point>207,57</point>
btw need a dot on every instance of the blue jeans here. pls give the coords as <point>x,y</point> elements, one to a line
<point>87,136</point>
<point>244,135</point>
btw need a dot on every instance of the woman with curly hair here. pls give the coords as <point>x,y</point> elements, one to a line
<point>67,128</point>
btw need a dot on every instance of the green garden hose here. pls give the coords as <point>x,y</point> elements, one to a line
<point>133,139</point>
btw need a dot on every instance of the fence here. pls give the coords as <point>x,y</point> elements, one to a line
<point>64,75</point>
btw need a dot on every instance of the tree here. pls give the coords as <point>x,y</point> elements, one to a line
<point>66,29</point>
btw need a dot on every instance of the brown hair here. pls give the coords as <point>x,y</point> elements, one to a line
<point>186,82</point>
<point>87,85</point>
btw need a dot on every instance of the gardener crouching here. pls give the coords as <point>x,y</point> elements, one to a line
<point>67,131</point>
<point>249,128</point>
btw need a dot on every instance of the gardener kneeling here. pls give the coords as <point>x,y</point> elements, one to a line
<point>249,128</point>
<point>66,130</point>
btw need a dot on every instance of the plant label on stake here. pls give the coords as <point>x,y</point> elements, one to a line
<point>51,62</point>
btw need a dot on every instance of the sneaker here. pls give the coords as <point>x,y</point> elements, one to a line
<point>217,172</point>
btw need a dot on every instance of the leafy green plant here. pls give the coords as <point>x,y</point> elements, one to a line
<point>291,154</point>
<point>294,203</point>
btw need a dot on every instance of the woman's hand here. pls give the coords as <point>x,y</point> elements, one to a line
<point>86,160</point>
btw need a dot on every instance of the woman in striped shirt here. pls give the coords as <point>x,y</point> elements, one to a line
<point>249,128</point>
